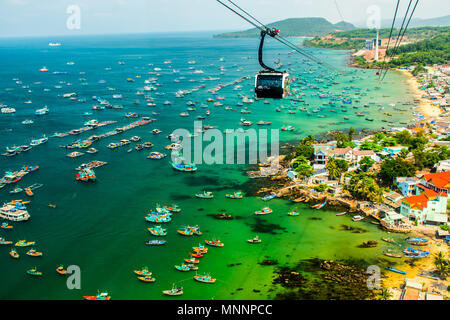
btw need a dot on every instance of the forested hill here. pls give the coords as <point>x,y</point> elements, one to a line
<point>295,27</point>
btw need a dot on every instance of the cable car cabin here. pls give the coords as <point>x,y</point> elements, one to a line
<point>270,84</point>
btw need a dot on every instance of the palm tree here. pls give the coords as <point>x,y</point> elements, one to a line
<point>384,294</point>
<point>442,265</point>
<point>333,170</point>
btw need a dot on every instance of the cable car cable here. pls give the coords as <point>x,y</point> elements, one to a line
<point>389,40</point>
<point>394,50</point>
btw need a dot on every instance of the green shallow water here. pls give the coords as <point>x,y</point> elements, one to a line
<point>100,226</point>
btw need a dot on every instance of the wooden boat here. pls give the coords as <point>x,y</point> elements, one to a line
<point>3,241</point>
<point>417,241</point>
<point>52,205</point>
<point>357,218</point>
<point>341,213</point>
<point>205,195</point>
<point>214,243</point>
<point>192,260</point>
<point>29,192</point>
<point>264,211</point>
<point>13,253</point>
<point>34,253</point>
<point>293,213</point>
<point>183,268</point>
<point>144,272</point>
<point>100,296</point>
<point>392,255</point>
<point>185,232</point>
<point>155,242</point>
<point>60,270</point>
<point>146,279</point>
<point>195,230</point>
<point>24,243</point>
<point>200,249</point>
<point>175,291</point>
<point>196,255</point>
<point>235,195</point>
<point>390,240</point>
<point>157,231</point>
<point>318,206</point>
<point>173,208</point>
<point>34,272</point>
<point>206,278</point>
<point>269,197</point>
<point>254,240</point>
<point>395,270</point>
<point>415,253</point>
<point>6,226</point>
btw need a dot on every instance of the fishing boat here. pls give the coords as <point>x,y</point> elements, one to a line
<point>183,268</point>
<point>143,272</point>
<point>185,232</point>
<point>195,230</point>
<point>173,208</point>
<point>392,255</point>
<point>235,195</point>
<point>205,195</point>
<point>36,142</point>
<point>175,291</point>
<point>16,190</point>
<point>269,197</point>
<point>146,279</point>
<point>40,112</point>
<point>157,218</point>
<point>214,243</point>
<point>6,226</point>
<point>196,255</point>
<point>415,253</point>
<point>86,174</point>
<point>190,167</point>
<point>206,278</point>
<point>34,253</point>
<point>192,260</point>
<point>60,270</point>
<point>158,231</point>
<point>254,240</point>
<point>341,213</point>
<point>24,243</point>
<point>156,156</point>
<point>200,249</point>
<point>293,213</point>
<point>29,192</point>
<point>155,242</point>
<point>263,211</point>
<point>318,206</point>
<point>287,128</point>
<point>100,297</point>
<point>34,272</point>
<point>390,240</point>
<point>417,241</point>
<point>3,241</point>
<point>357,218</point>
<point>395,270</point>
<point>13,253</point>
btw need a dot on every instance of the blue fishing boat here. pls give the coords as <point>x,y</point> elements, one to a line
<point>184,167</point>
<point>417,241</point>
<point>155,242</point>
<point>395,270</point>
<point>269,197</point>
<point>319,206</point>
<point>415,253</point>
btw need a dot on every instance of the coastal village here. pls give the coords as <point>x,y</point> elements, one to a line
<point>349,171</point>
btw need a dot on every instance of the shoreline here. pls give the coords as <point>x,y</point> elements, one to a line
<point>425,107</point>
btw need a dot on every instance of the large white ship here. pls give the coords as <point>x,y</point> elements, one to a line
<point>14,211</point>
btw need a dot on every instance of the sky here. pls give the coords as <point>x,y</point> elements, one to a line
<point>51,17</point>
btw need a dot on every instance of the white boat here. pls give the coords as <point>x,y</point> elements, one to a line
<point>8,110</point>
<point>357,218</point>
<point>40,112</point>
<point>14,211</point>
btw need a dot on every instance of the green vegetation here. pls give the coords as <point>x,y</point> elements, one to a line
<point>445,227</point>
<point>363,186</point>
<point>302,167</point>
<point>343,44</point>
<point>336,167</point>
<point>294,27</point>
<point>442,265</point>
<point>366,163</point>
<point>392,168</point>
<point>415,33</point>
<point>322,187</point>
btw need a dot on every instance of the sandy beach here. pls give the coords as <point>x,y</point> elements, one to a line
<point>425,107</point>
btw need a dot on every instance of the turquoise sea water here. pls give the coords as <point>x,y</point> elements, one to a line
<point>100,226</point>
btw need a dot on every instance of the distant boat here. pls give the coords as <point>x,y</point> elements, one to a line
<point>395,270</point>
<point>319,206</point>
<point>269,197</point>
<point>54,44</point>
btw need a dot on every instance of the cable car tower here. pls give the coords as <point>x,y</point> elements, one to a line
<point>270,83</point>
